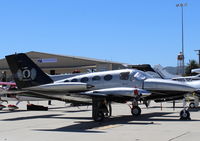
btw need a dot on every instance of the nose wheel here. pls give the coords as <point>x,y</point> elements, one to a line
<point>136,111</point>
<point>185,115</point>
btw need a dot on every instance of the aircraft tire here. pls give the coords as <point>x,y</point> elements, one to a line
<point>136,111</point>
<point>99,116</point>
<point>185,115</point>
<point>192,105</point>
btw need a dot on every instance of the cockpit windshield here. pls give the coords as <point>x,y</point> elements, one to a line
<point>139,75</point>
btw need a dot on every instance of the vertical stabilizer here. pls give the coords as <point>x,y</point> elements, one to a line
<point>25,72</point>
<point>163,73</point>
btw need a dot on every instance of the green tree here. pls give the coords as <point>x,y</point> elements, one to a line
<point>191,65</point>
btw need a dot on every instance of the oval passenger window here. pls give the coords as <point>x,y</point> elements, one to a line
<point>96,78</point>
<point>74,80</point>
<point>108,77</point>
<point>84,79</point>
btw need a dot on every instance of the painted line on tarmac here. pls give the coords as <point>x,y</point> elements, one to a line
<point>178,136</point>
<point>107,127</point>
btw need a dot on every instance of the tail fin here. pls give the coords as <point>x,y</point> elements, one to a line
<point>25,72</point>
<point>163,73</point>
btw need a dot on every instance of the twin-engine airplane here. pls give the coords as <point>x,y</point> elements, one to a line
<point>98,88</point>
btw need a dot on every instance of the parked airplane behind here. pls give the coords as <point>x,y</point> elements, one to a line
<point>195,70</point>
<point>187,78</point>
<point>9,92</point>
<point>193,81</point>
<point>99,88</point>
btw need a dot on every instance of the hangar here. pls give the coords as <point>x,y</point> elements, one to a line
<point>60,64</point>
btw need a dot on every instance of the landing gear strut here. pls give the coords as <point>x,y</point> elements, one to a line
<point>100,109</point>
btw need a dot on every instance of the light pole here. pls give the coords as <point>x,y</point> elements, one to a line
<point>198,53</point>
<point>182,5</point>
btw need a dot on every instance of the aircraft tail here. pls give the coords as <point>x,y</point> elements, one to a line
<point>163,73</point>
<point>25,72</point>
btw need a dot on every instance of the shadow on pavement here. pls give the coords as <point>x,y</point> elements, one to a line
<point>95,127</point>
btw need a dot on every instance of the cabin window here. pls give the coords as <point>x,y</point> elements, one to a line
<point>96,78</point>
<point>74,80</point>
<point>124,75</point>
<point>84,79</point>
<point>66,81</point>
<point>108,77</point>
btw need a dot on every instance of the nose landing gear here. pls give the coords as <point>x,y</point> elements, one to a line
<point>185,114</point>
<point>135,109</point>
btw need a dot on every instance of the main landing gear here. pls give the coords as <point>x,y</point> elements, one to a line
<point>101,108</point>
<point>184,114</point>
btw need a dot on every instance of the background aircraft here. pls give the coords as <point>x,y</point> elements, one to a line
<point>9,92</point>
<point>98,88</point>
<point>193,81</point>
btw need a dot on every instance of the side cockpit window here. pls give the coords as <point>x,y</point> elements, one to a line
<point>124,75</point>
<point>139,75</point>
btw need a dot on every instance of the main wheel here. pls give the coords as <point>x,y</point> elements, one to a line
<point>135,111</point>
<point>185,115</point>
<point>99,116</point>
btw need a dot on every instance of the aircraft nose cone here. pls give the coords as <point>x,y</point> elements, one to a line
<point>167,85</point>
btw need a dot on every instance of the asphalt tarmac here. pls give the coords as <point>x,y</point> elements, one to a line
<point>64,123</point>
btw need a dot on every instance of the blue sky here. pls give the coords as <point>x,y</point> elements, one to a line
<point>128,31</point>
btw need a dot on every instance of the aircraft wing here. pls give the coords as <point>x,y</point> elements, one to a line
<point>118,92</point>
<point>2,91</point>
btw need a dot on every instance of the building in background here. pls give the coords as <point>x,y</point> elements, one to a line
<point>61,64</point>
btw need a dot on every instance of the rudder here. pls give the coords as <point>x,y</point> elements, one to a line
<point>25,72</point>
